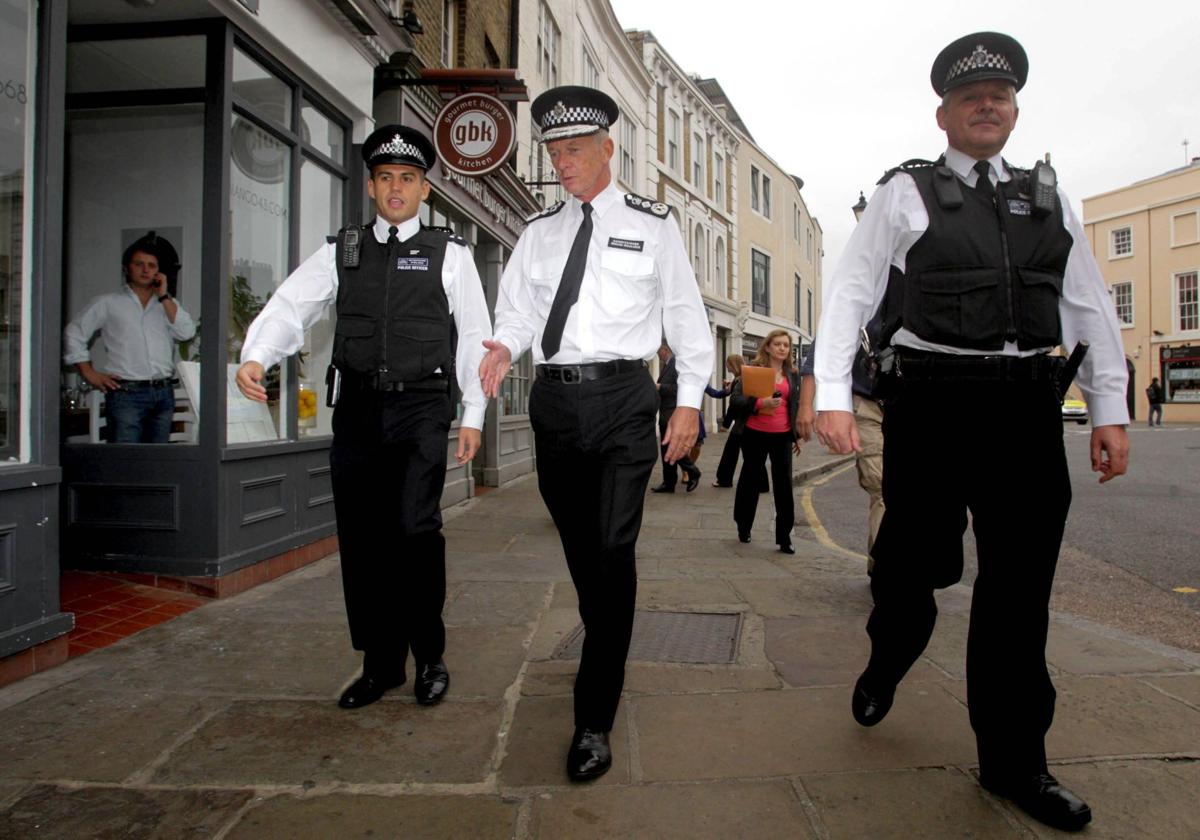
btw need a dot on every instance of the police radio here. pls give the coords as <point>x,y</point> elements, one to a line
<point>350,240</point>
<point>1043,187</point>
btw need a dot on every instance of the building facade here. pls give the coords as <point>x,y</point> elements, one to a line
<point>692,153</point>
<point>230,128</point>
<point>1146,239</point>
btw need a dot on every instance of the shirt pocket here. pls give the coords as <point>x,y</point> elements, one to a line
<point>544,276</point>
<point>628,282</point>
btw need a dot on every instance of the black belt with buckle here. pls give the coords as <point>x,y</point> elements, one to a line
<point>379,382</point>
<point>149,383</point>
<point>919,365</point>
<point>574,374</point>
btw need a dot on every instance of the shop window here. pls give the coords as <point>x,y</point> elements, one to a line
<point>136,64</point>
<point>16,106</point>
<point>320,216</point>
<point>514,392</point>
<point>1181,373</point>
<point>135,173</point>
<point>258,89</point>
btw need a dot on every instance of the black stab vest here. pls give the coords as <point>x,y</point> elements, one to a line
<point>392,315</point>
<point>983,272</point>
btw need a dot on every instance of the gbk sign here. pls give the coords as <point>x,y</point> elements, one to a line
<point>474,134</point>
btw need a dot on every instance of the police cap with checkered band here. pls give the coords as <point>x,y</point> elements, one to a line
<point>573,111</point>
<point>398,144</point>
<point>976,57</point>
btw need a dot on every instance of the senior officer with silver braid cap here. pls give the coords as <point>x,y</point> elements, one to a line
<point>400,290</point>
<point>593,285</point>
<point>981,270</point>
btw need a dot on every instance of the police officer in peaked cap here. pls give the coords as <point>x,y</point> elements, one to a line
<point>980,269</point>
<point>400,289</point>
<point>593,285</point>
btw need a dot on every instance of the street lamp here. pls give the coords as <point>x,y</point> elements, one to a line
<point>860,206</point>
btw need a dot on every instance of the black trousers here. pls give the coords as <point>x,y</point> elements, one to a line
<point>729,458</point>
<point>756,448</point>
<point>388,466</point>
<point>1004,463</point>
<point>670,473</point>
<point>595,452</point>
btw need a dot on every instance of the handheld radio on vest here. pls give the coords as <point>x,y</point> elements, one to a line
<point>350,240</point>
<point>1043,187</point>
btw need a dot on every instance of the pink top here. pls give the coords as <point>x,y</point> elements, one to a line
<point>777,422</point>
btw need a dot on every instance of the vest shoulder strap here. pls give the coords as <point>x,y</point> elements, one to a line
<point>449,234</point>
<point>909,166</point>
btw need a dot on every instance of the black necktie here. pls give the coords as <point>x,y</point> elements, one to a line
<point>568,287</point>
<point>392,238</point>
<point>983,184</point>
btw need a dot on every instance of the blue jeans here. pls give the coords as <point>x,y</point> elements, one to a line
<point>140,414</point>
<point>1155,408</point>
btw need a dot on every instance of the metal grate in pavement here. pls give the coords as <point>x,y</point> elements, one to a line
<point>707,638</point>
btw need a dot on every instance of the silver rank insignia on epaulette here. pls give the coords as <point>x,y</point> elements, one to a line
<point>549,211</point>
<point>654,208</point>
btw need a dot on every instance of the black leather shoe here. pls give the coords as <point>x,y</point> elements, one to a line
<point>662,488</point>
<point>869,706</point>
<point>693,481</point>
<point>1044,799</point>
<point>787,547</point>
<point>431,683</point>
<point>366,690</point>
<point>590,756</point>
<point>744,536</point>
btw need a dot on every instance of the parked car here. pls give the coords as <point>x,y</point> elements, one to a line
<point>1074,410</point>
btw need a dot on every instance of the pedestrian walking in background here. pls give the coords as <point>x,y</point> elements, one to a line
<point>1154,393</point>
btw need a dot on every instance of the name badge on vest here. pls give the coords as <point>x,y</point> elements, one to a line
<point>1019,207</point>
<point>412,263</point>
<point>625,244</point>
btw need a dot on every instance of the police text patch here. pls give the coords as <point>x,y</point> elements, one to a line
<point>412,264</point>
<point>625,244</point>
<point>1017,207</point>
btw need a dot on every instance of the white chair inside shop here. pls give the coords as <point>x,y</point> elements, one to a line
<point>246,420</point>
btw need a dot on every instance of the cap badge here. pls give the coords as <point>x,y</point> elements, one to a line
<point>560,110</point>
<point>980,56</point>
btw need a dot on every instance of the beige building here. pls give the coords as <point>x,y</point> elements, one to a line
<point>1146,239</point>
<point>780,253</point>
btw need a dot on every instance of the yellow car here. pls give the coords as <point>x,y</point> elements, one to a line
<point>1075,410</point>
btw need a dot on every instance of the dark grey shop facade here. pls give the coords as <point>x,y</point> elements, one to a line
<point>194,120</point>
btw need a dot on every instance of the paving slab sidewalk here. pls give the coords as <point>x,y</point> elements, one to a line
<point>223,723</point>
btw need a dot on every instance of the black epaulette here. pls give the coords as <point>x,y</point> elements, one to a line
<point>654,208</point>
<point>547,213</point>
<point>908,165</point>
<point>331,240</point>
<point>451,236</point>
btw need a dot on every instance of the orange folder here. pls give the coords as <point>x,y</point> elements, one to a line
<point>758,382</point>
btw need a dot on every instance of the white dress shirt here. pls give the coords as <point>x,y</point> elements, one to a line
<point>138,340</point>
<point>637,287</point>
<point>301,299</point>
<point>894,220</point>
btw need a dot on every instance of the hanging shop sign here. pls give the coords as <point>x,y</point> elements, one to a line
<point>474,134</point>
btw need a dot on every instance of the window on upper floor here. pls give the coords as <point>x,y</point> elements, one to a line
<point>548,38</point>
<point>1187,301</point>
<point>697,161</point>
<point>755,201</point>
<point>1120,243</point>
<point>698,254</point>
<point>808,295</point>
<point>674,138</point>
<point>590,72</point>
<point>796,298</point>
<point>808,244</point>
<point>629,154</point>
<point>766,196</point>
<point>1122,295</point>
<point>760,270</point>
<point>719,179</point>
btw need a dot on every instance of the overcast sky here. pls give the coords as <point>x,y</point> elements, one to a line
<point>836,92</point>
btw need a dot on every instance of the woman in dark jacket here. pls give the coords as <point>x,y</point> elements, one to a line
<point>770,431</point>
<point>734,423</point>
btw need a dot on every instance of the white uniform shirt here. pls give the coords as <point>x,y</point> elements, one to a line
<point>894,220</point>
<point>300,301</point>
<point>637,287</point>
<point>138,340</point>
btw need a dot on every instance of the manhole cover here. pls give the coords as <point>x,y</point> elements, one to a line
<point>708,638</point>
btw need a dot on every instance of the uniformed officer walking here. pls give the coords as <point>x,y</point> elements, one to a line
<point>593,285</point>
<point>981,269</point>
<point>401,289</point>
